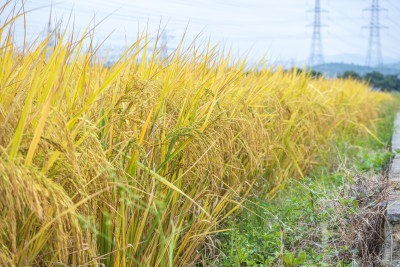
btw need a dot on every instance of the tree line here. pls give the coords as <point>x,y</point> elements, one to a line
<point>375,79</point>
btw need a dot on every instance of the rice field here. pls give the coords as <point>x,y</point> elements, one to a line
<point>139,163</point>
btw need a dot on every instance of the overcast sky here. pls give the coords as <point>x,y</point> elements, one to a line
<point>257,27</point>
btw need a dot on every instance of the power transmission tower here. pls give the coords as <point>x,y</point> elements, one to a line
<point>316,55</point>
<point>374,52</point>
<point>165,37</point>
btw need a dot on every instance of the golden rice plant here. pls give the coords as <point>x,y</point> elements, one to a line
<point>139,163</point>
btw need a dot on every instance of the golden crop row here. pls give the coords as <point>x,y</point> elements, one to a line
<point>138,163</point>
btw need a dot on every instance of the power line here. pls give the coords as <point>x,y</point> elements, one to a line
<point>395,7</point>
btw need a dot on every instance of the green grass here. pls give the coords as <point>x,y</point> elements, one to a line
<point>300,225</point>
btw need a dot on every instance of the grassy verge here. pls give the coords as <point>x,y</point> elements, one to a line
<point>333,217</point>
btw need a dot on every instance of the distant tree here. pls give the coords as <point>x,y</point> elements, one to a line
<point>378,80</point>
<point>316,74</point>
<point>313,73</point>
<point>375,78</point>
<point>297,70</point>
<point>351,74</point>
<point>392,83</point>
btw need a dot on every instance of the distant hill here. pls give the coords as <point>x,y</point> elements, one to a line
<point>393,66</point>
<point>335,69</point>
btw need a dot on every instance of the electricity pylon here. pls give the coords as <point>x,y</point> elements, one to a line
<point>374,52</point>
<point>316,54</point>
